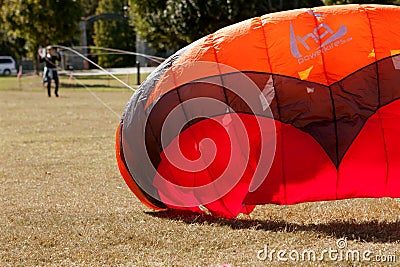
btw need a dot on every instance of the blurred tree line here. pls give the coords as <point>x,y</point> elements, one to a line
<point>173,24</point>
<point>164,25</point>
<point>28,25</point>
<point>114,33</point>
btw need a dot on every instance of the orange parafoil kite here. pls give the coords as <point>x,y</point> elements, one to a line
<point>290,107</point>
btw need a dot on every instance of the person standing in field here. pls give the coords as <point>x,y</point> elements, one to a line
<point>50,70</point>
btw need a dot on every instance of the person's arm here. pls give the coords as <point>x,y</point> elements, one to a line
<point>58,54</point>
<point>41,56</point>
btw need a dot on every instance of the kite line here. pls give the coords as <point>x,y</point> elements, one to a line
<point>153,58</point>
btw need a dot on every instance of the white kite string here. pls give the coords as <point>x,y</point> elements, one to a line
<point>105,71</point>
<point>119,51</point>
<point>98,98</point>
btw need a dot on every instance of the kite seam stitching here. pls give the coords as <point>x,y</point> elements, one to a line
<point>279,112</point>
<point>227,103</point>
<point>379,103</point>
<point>333,111</point>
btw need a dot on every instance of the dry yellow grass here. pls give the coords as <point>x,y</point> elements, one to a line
<point>63,202</point>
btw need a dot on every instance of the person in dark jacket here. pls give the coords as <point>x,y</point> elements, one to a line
<point>50,69</point>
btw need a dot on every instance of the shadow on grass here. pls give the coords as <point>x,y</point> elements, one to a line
<point>77,85</point>
<point>370,231</point>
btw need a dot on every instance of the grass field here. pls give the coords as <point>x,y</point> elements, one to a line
<point>64,203</point>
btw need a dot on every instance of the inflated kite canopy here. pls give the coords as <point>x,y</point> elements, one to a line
<point>289,107</point>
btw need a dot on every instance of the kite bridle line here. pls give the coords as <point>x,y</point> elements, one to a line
<point>98,98</point>
<point>98,66</point>
<point>158,60</point>
<point>104,70</point>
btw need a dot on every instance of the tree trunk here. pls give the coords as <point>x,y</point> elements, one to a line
<point>36,60</point>
<point>270,5</point>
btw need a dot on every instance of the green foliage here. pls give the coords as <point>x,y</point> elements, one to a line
<point>41,22</point>
<point>11,45</point>
<point>150,24</point>
<point>173,24</point>
<point>114,33</point>
<point>89,7</point>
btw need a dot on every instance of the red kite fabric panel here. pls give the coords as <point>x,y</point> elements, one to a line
<point>290,107</point>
